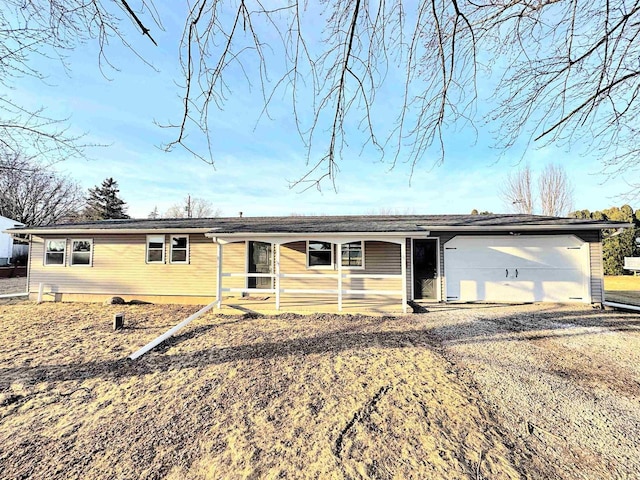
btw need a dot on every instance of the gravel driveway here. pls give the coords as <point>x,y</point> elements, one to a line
<point>564,379</point>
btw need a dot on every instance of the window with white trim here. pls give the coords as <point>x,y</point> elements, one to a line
<point>319,254</point>
<point>81,252</point>
<point>55,251</point>
<point>353,254</point>
<point>179,249</point>
<point>155,248</point>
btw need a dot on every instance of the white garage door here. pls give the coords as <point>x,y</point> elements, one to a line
<point>523,268</point>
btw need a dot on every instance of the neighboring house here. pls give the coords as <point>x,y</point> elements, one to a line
<point>632,264</point>
<point>6,240</point>
<point>493,258</point>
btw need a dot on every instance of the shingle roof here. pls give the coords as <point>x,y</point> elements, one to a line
<point>333,224</point>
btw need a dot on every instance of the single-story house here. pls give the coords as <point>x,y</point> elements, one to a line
<point>6,240</point>
<point>440,258</point>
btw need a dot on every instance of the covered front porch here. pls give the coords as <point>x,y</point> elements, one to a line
<point>315,273</point>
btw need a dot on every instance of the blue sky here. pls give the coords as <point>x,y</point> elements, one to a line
<point>254,163</point>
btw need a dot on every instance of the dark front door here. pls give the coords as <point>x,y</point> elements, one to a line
<point>260,261</point>
<point>425,269</point>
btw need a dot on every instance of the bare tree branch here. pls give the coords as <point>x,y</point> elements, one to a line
<point>517,191</point>
<point>132,14</point>
<point>355,72</point>
<point>555,191</point>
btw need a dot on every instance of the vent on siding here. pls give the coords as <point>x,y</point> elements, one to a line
<point>574,248</point>
<point>450,248</point>
<point>575,298</point>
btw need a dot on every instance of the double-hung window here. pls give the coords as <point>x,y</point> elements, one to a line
<point>179,249</point>
<point>155,248</point>
<point>319,254</point>
<point>352,254</point>
<point>81,252</point>
<point>55,252</point>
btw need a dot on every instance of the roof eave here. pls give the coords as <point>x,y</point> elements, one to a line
<point>211,233</point>
<point>214,234</point>
<point>507,228</point>
<point>102,231</point>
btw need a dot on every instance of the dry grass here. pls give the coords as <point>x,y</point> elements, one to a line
<point>623,289</point>
<point>321,396</point>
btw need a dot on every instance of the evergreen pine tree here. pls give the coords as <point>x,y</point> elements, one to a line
<point>104,203</point>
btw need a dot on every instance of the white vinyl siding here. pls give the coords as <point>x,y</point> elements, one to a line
<point>119,268</point>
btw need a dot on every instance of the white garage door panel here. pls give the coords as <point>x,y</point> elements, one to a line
<point>517,269</point>
<point>548,285</point>
<point>521,257</point>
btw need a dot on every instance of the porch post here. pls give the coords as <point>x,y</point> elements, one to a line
<point>219,277</point>
<point>403,255</point>
<point>339,260</point>
<point>277,279</point>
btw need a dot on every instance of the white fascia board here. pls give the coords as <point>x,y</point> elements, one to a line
<point>102,231</point>
<point>213,234</point>
<point>507,228</point>
<point>341,237</point>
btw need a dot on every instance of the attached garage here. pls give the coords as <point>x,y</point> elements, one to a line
<point>517,268</point>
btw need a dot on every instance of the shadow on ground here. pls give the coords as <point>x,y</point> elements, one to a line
<point>541,323</point>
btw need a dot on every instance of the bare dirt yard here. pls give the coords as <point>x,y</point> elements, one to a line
<point>13,285</point>
<point>469,392</point>
<point>622,289</point>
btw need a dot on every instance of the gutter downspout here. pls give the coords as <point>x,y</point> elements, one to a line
<point>339,261</point>
<point>403,259</point>
<point>29,258</point>
<point>616,233</point>
<point>219,277</point>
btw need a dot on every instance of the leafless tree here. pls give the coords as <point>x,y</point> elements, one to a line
<point>154,213</point>
<point>517,191</point>
<point>555,191</point>
<point>33,194</point>
<point>568,68</point>
<point>193,208</point>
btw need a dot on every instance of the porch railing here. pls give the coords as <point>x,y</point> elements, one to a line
<point>275,278</point>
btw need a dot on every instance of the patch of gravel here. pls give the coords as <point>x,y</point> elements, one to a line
<point>13,285</point>
<point>564,379</point>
